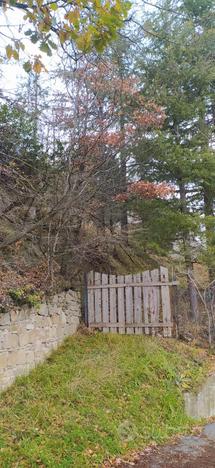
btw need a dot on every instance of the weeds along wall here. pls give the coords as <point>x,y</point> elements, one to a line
<point>27,335</point>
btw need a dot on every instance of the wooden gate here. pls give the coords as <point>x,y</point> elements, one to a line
<point>131,304</point>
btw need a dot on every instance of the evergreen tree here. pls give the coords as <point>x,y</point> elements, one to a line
<point>177,71</point>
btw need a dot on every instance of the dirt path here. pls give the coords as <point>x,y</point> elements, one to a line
<point>188,452</point>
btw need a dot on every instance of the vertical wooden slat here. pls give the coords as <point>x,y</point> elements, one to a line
<point>151,305</point>
<point>137,303</point>
<point>146,299</point>
<point>112,280</point>
<point>155,300</point>
<point>98,299</point>
<point>105,303</point>
<point>90,292</point>
<point>165,299</point>
<point>121,302</point>
<point>129,304</point>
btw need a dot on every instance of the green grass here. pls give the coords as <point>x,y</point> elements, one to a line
<point>97,397</point>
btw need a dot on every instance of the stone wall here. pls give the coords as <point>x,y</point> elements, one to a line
<point>28,335</point>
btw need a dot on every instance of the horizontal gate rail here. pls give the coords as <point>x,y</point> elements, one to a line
<point>122,325</point>
<point>123,285</point>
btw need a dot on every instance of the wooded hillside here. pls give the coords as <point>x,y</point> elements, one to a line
<point>109,162</point>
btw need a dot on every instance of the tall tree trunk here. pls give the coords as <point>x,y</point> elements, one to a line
<point>124,212</point>
<point>192,292</point>
<point>209,211</point>
<point>208,187</point>
<point>123,162</point>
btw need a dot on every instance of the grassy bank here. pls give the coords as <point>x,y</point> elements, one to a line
<point>97,397</point>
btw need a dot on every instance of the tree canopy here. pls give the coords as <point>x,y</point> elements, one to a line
<point>79,24</point>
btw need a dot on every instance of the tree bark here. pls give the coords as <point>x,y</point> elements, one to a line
<point>209,211</point>
<point>192,292</point>
<point>193,296</point>
<point>124,213</point>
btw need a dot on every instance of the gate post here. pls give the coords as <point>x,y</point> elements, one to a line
<point>85,301</point>
<point>175,308</point>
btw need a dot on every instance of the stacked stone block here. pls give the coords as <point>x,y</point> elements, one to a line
<point>28,335</point>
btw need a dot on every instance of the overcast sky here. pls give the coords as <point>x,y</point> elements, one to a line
<point>12,72</point>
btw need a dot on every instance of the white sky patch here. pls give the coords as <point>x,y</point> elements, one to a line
<point>11,71</point>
